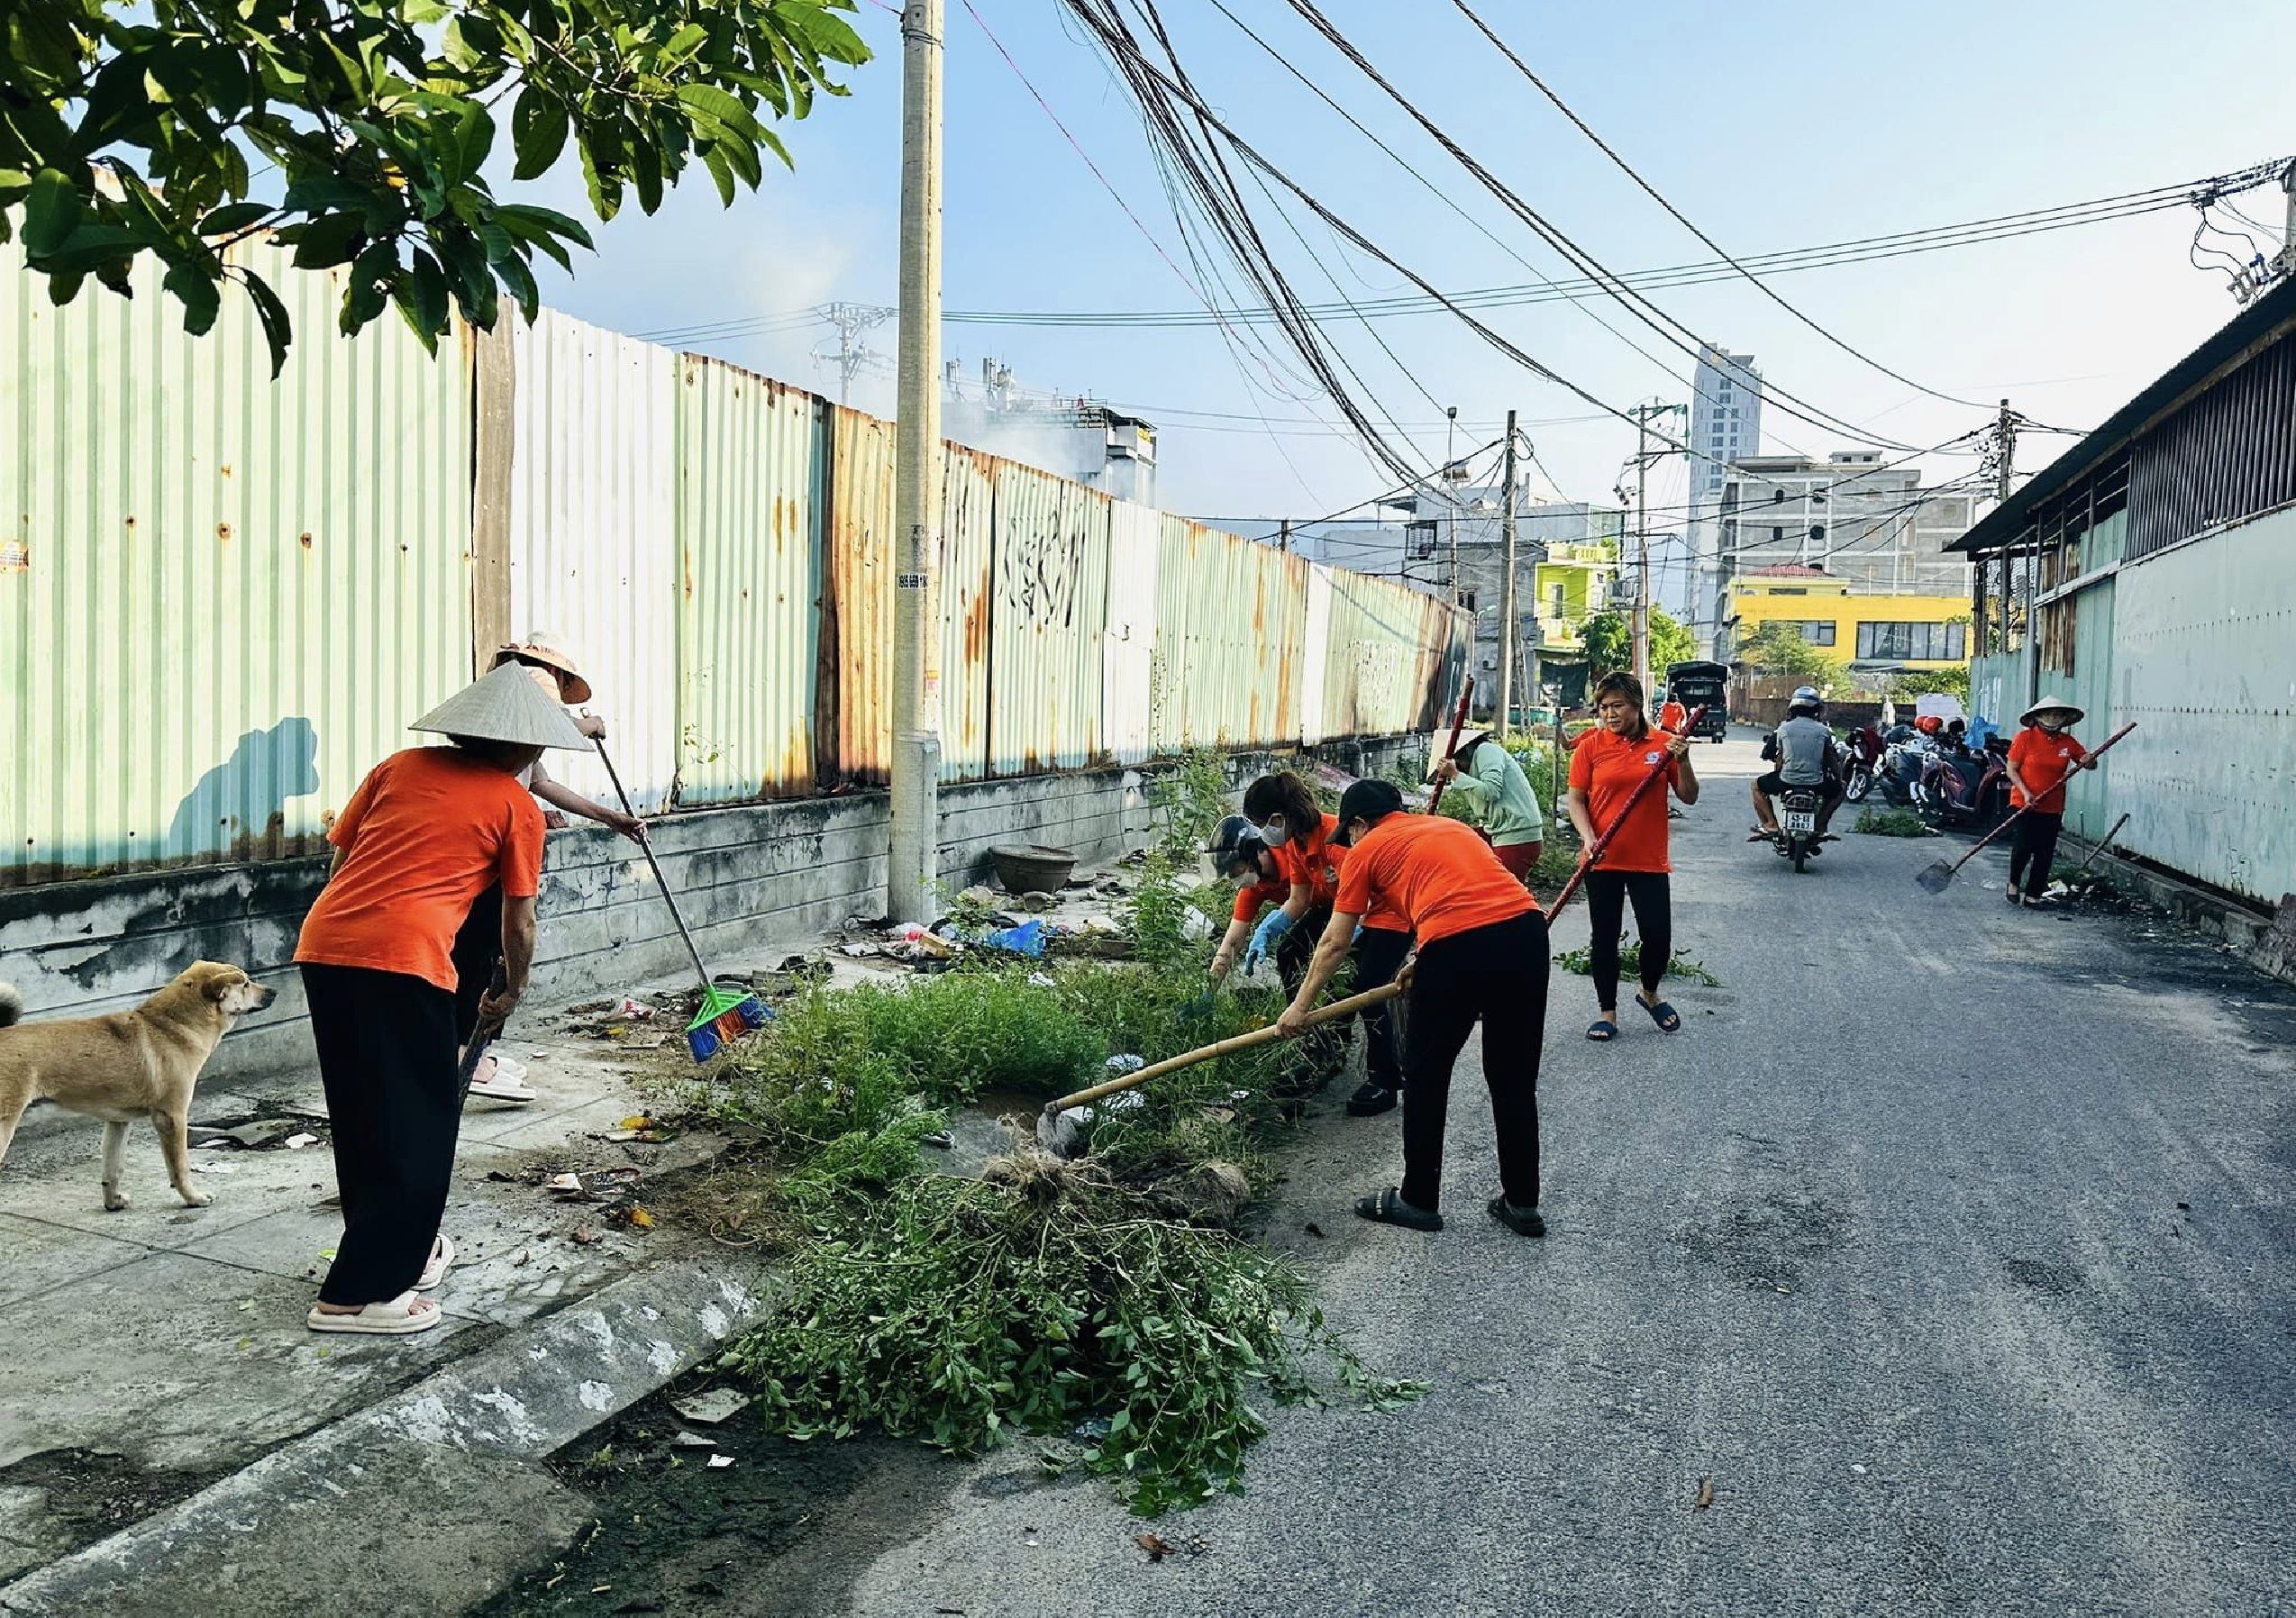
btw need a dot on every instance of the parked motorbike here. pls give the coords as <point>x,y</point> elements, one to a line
<point>1959,788</point>
<point>1904,750</point>
<point>1866,754</point>
<point>1797,839</point>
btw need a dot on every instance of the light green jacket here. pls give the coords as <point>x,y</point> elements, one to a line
<point>1502,793</point>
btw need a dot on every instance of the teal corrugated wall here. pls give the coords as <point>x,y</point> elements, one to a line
<point>221,597</point>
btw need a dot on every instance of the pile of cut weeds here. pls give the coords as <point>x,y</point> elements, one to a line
<point>1112,1300</point>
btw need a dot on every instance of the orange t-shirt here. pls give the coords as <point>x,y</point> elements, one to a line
<point>1312,859</point>
<point>1433,872</point>
<point>425,833</point>
<point>1607,768</point>
<point>1383,915</point>
<point>1673,716</point>
<point>2045,761</point>
<point>1251,900</point>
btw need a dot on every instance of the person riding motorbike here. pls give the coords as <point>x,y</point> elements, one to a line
<point>1803,753</point>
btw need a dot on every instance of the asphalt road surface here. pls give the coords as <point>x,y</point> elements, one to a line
<point>1950,1244</point>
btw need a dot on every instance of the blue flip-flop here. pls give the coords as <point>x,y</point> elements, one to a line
<point>1668,1019</point>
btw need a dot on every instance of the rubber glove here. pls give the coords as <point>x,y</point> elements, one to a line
<point>1270,932</point>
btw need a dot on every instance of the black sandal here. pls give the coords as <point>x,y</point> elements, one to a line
<point>1389,1208</point>
<point>1668,1019</point>
<point>1522,1222</point>
<point>1603,1031</point>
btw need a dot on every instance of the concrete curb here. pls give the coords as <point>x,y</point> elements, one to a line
<point>2265,939</point>
<point>430,1499</point>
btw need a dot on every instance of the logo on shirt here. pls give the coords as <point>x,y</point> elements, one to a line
<point>1650,757</point>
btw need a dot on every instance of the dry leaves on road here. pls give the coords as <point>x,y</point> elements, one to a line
<point>1705,1495</point>
<point>1158,1548</point>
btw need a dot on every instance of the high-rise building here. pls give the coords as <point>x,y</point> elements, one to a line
<point>1725,416</point>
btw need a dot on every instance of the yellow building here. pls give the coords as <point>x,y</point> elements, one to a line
<point>1868,631</point>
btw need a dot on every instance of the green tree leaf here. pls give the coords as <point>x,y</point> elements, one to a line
<point>53,214</point>
<point>538,126</point>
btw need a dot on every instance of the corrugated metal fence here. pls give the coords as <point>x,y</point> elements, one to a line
<point>224,598</point>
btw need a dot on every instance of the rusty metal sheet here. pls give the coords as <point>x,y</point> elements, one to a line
<point>222,597</point>
<point>1382,672</point>
<point>968,535</point>
<point>1231,640</point>
<point>1135,540</point>
<point>1049,610</point>
<point>752,456</point>
<point>854,702</point>
<point>593,536</point>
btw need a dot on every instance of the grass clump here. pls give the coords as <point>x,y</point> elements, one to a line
<point>1630,965</point>
<point>1890,822</point>
<point>1045,1299</point>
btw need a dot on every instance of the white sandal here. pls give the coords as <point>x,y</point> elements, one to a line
<point>504,1080</point>
<point>442,1260</point>
<point>409,1313</point>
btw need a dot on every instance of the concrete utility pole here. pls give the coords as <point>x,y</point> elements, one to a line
<point>1510,631</point>
<point>910,881</point>
<point>1642,545</point>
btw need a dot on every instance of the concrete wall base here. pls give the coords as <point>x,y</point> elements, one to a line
<point>753,881</point>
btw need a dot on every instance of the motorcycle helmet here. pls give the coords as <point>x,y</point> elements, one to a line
<point>1805,700</point>
<point>1929,724</point>
<point>1235,847</point>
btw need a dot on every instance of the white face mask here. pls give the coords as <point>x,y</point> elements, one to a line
<point>2052,722</point>
<point>1275,834</point>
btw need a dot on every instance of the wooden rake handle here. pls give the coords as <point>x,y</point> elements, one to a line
<point>1258,1037</point>
<point>1458,723</point>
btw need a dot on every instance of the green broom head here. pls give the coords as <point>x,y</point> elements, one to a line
<point>725,1017</point>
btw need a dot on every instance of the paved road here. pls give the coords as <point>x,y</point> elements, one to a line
<point>1989,1312</point>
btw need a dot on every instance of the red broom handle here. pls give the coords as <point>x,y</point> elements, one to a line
<point>1642,790</point>
<point>1458,723</point>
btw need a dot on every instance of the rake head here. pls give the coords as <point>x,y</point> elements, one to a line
<point>725,1017</point>
<point>1935,878</point>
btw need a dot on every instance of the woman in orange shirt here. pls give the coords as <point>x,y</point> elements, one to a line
<point>2041,760</point>
<point>1300,838</point>
<point>1482,957</point>
<point>427,832</point>
<point>1606,766</point>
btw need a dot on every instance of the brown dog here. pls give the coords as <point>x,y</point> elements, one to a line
<point>133,1064</point>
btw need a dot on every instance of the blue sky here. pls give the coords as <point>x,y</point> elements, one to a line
<point>1772,126</point>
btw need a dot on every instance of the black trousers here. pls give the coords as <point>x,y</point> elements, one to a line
<point>2033,853</point>
<point>387,1056</point>
<point>1497,973</point>
<point>1608,894</point>
<point>1379,955</point>
<point>477,947</point>
<point>1312,1056</point>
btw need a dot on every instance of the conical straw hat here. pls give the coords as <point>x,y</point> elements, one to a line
<point>552,655</point>
<point>2047,703</point>
<point>507,705</point>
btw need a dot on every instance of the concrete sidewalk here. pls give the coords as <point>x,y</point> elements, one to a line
<point>153,1351</point>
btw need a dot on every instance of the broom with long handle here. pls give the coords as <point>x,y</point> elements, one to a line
<point>725,1015</point>
<point>1938,875</point>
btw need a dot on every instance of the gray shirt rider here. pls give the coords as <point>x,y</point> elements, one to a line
<point>1805,748</point>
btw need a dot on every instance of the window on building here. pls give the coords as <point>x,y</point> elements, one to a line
<point>1913,642</point>
<point>1554,602</point>
<point>1777,536</point>
<point>1468,601</point>
<point>1817,632</point>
